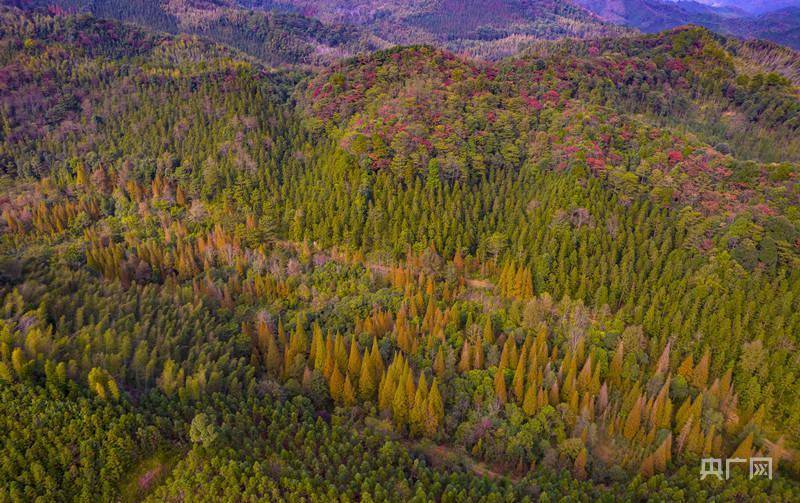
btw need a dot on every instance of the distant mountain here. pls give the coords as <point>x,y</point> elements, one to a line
<point>482,27</point>
<point>313,31</point>
<point>769,20</point>
<point>273,33</point>
<point>652,15</point>
<point>782,26</point>
<point>753,6</point>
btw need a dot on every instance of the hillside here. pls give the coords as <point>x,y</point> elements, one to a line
<point>453,20</point>
<point>782,26</point>
<point>275,37</point>
<point>405,276</point>
<point>487,29</point>
<point>778,22</point>
<point>729,93</point>
<point>299,31</point>
<point>753,6</point>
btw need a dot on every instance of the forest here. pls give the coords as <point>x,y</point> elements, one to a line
<point>237,273</point>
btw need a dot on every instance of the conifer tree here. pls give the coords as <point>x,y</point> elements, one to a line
<point>519,378</point>
<point>632,421</point>
<point>530,401</point>
<point>615,370</point>
<point>336,385</point>
<point>465,362</point>
<point>500,386</point>
<point>686,368</point>
<point>488,331</point>
<point>348,393</point>
<point>354,359</point>
<point>435,410</point>
<point>272,359</point>
<point>438,363</point>
<point>579,467</point>
<point>478,355</point>
<point>700,374</point>
<point>400,406</point>
<point>745,448</point>
<point>366,381</point>
<point>377,360</point>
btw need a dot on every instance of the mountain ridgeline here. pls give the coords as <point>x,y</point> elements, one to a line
<point>775,20</point>
<point>261,272</point>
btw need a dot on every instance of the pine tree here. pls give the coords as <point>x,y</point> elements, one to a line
<point>505,355</point>
<point>366,381</point>
<point>386,389</point>
<point>438,363</point>
<point>354,359</point>
<point>400,408</point>
<point>745,449</point>
<point>663,361</point>
<point>518,382</point>
<point>478,355</point>
<point>377,360</point>
<point>348,393</point>
<point>488,331</point>
<point>272,359</point>
<point>530,401</point>
<point>632,421</point>
<point>686,368</point>
<point>615,370</point>
<point>435,410</point>
<point>663,455</point>
<point>700,374</point>
<point>465,363</point>
<point>579,467</point>
<point>500,386</point>
<point>340,353</point>
<point>419,408</point>
<point>647,468</point>
<point>336,385</point>
<point>585,375</point>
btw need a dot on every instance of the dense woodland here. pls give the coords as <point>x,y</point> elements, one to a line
<point>278,37</point>
<point>409,276</point>
<point>320,31</point>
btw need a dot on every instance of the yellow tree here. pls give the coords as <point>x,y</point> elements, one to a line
<point>435,410</point>
<point>465,363</point>
<point>530,401</point>
<point>438,363</point>
<point>348,393</point>
<point>633,420</point>
<point>419,408</point>
<point>745,449</point>
<point>400,408</point>
<point>500,386</point>
<point>615,370</point>
<point>700,374</point>
<point>518,382</point>
<point>366,381</point>
<point>336,385</point>
<point>354,360</point>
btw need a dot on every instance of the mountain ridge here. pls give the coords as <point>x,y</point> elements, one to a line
<point>730,19</point>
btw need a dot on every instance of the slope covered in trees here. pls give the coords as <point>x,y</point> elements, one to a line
<point>297,31</point>
<point>276,37</point>
<point>408,277</point>
<point>482,28</point>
